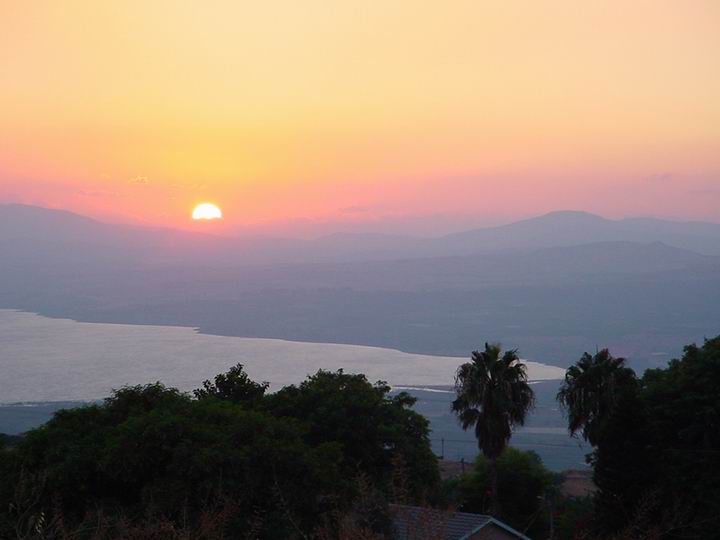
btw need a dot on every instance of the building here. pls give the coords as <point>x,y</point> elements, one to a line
<point>416,523</point>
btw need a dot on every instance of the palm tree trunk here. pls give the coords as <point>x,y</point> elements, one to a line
<point>494,508</point>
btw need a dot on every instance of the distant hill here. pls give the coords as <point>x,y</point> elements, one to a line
<point>573,228</point>
<point>33,229</point>
<point>38,231</point>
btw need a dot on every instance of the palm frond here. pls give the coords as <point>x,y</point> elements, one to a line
<point>492,396</point>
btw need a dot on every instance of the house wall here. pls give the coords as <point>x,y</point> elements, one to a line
<point>492,532</point>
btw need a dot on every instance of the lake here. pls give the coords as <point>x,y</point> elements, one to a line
<point>44,359</point>
<point>47,363</point>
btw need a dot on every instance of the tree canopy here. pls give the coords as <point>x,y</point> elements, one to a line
<point>152,450</point>
<point>376,432</point>
<point>278,464</point>
<point>235,385</point>
<point>591,391</point>
<point>523,482</point>
<point>656,461</point>
<point>492,397</point>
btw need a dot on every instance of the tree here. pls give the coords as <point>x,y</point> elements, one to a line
<point>493,396</point>
<point>656,441</point>
<point>256,465</point>
<point>375,431</point>
<point>153,451</point>
<point>235,386</point>
<point>682,439</point>
<point>524,482</point>
<point>600,399</point>
<point>591,391</point>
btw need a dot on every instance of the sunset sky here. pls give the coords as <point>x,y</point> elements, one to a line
<point>397,111</point>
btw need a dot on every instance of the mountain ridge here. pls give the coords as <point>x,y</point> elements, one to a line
<point>554,229</point>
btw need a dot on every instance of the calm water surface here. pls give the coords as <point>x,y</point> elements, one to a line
<point>43,359</point>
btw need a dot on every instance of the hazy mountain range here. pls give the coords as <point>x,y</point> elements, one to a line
<point>553,286</point>
<point>22,223</point>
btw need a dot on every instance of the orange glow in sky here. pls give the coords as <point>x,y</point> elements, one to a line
<point>354,111</point>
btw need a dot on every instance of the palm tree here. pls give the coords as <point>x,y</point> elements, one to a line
<point>493,396</point>
<point>591,390</point>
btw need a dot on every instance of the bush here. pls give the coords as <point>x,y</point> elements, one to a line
<point>270,466</point>
<point>152,450</point>
<point>523,483</point>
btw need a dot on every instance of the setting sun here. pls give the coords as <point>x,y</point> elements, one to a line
<point>207,211</point>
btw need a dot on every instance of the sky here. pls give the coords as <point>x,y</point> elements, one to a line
<point>406,115</point>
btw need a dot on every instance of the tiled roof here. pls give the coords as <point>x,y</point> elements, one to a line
<point>416,523</point>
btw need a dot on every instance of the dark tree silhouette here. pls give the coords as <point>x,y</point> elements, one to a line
<point>235,386</point>
<point>492,396</point>
<point>591,392</point>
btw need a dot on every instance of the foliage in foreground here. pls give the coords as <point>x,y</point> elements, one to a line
<point>320,460</point>
<point>524,487</point>
<point>656,461</point>
<point>269,466</point>
<point>378,434</point>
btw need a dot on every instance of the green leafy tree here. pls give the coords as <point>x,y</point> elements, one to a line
<point>153,451</point>
<point>235,385</point>
<point>682,440</point>
<point>493,396</point>
<point>376,431</point>
<point>523,481</point>
<point>261,466</point>
<point>657,442</point>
